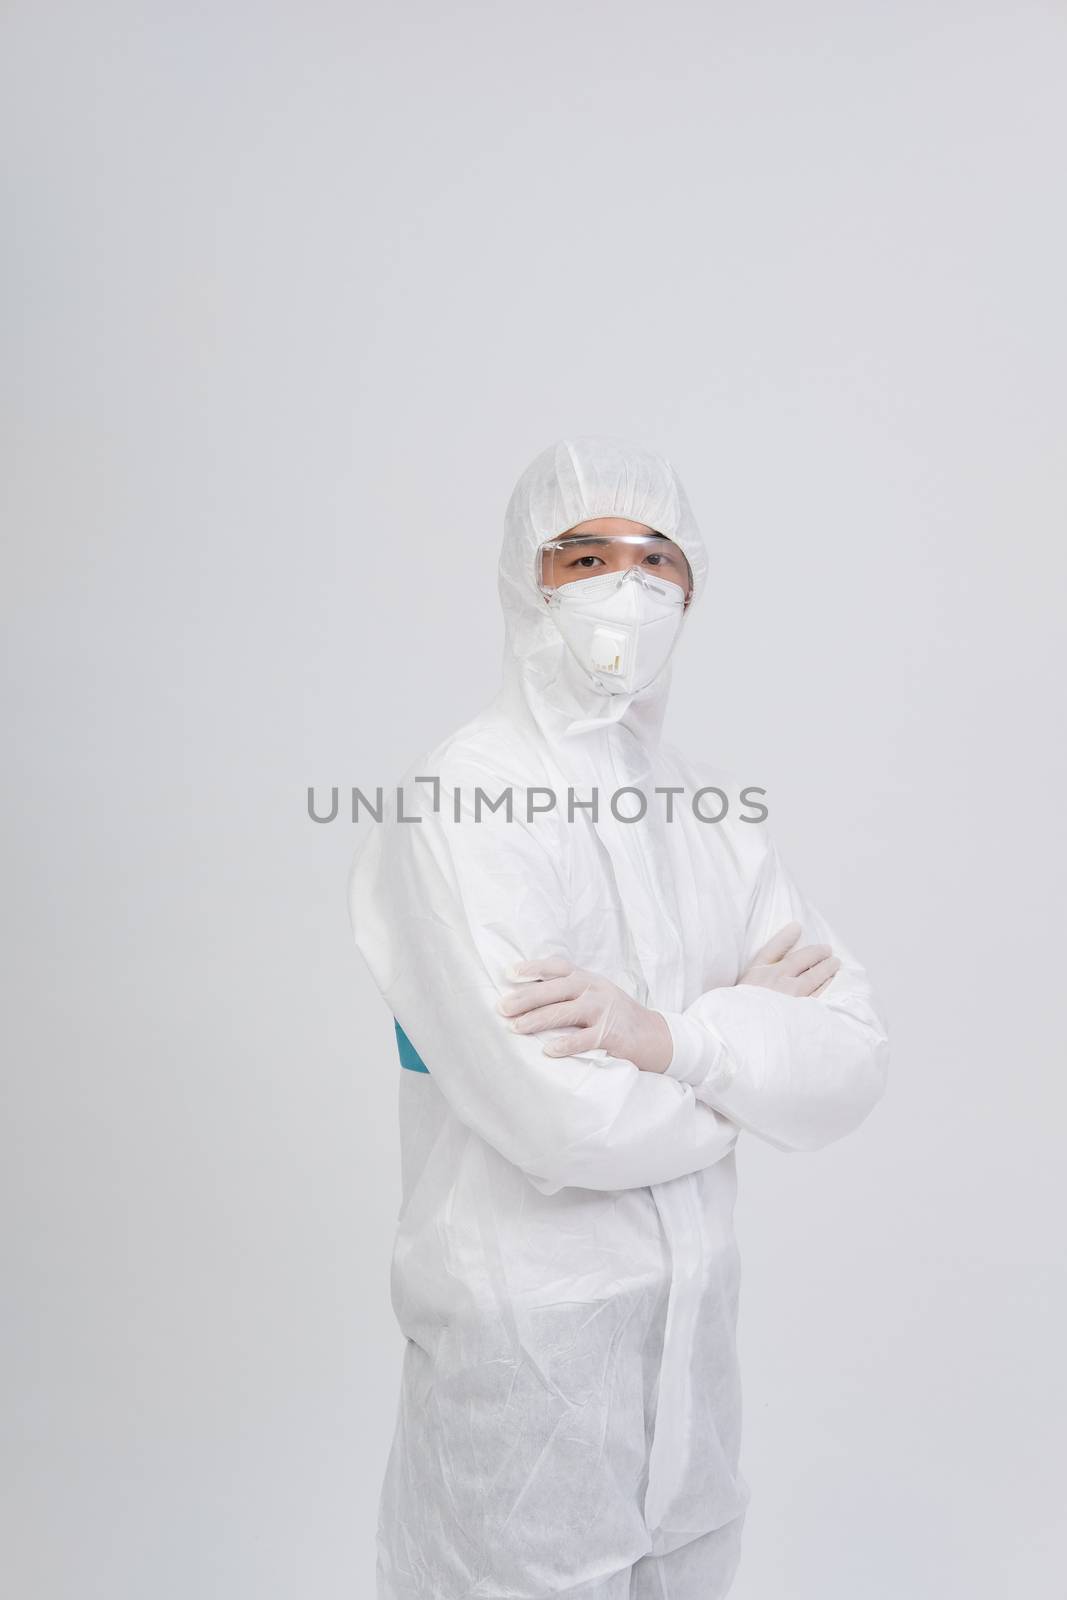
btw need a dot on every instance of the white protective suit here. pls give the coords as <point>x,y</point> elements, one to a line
<point>565,1271</point>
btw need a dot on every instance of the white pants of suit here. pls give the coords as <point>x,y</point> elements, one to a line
<point>704,1569</point>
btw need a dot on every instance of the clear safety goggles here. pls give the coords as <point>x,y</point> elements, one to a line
<point>590,555</point>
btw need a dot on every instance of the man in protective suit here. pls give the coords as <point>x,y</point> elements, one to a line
<point>599,979</point>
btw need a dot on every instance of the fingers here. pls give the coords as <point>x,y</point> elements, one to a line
<point>545,967</point>
<point>567,1014</point>
<point>799,961</point>
<point>515,1001</point>
<point>776,948</point>
<point>575,1043</point>
<point>817,977</point>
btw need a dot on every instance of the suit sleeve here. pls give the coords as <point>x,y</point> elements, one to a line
<point>797,1072</point>
<point>441,909</point>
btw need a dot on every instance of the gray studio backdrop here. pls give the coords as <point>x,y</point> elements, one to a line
<point>292,296</point>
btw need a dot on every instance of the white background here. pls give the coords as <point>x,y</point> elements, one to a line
<point>293,293</point>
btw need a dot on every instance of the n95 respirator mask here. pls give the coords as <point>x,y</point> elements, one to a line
<point>619,626</point>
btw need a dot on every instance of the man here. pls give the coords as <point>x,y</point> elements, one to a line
<point>599,980</point>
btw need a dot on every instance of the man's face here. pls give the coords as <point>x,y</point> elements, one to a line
<point>609,551</point>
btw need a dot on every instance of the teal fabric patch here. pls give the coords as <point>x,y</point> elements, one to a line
<point>409,1056</point>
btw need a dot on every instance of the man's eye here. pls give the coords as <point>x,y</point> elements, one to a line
<point>586,561</point>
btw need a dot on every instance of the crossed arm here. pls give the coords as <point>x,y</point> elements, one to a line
<point>595,1014</point>
<point>434,908</point>
<point>795,1051</point>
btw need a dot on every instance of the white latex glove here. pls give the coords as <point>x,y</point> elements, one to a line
<point>597,1014</point>
<point>802,972</point>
